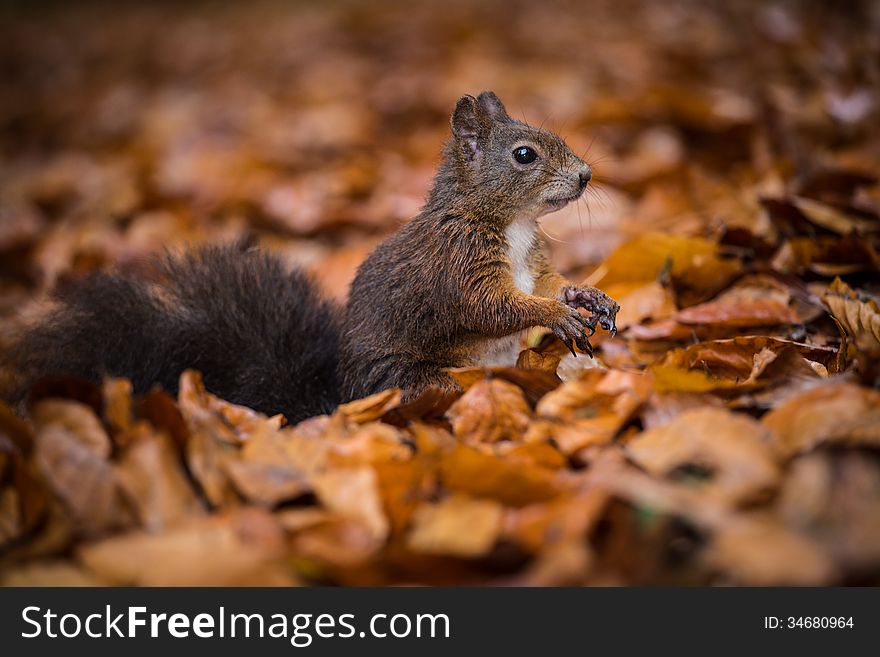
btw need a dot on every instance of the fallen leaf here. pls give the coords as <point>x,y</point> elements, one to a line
<point>75,420</point>
<point>458,526</point>
<point>726,454</point>
<point>756,550</point>
<point>50,573</point>
<point>266,483</point>
<point>354,493</point>
<point>737,364</point>
<point>117,404</point>
<point>82,478</point>
<point>530,359</point>
<point>243,547</point>
<point>491,410</point>
<point>152,479</point>
<point>370,408</point>
<point>859,316</point>
<point>694,262</point>
<point>836,412</point>
<point>466,470</point>
<point>590,410</point>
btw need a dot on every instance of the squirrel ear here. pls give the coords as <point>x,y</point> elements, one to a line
<point>466,123</point>
<point>492,106</point>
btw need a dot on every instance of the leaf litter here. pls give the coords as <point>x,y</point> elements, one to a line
<point>730,434</point>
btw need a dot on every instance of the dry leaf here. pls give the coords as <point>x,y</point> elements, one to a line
<point>859,316</point>
<point>151,477</point>
<point>739,364</point>
<point>353,493</point>
<point>727,454</point>
<point>370,408</point>
<point>83,479</point>
<point>265,483</point>
<point>467,470</point>
<point>590,410</point>
<point>76,420</point>
<point>491,410</point>
<point>835,412</point>
<point>458,526</point>
<point>51,573</point>
<point>240,548</point>
<point>757,551</point>
<point>117,404</point>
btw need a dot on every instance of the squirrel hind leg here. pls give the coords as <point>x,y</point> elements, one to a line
<point>413,378</point>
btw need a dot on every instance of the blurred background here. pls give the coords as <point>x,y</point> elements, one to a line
<point>316,126</point>
<point>736,150</point>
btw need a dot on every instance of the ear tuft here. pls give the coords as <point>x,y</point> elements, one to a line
<point>466,123</point>
<point>492,106</point>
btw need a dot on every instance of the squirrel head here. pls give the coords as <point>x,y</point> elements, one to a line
<point>505,167</point>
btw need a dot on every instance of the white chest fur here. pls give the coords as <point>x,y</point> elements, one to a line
<point>520,236</point>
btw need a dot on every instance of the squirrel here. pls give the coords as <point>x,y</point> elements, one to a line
<point>455,286</point>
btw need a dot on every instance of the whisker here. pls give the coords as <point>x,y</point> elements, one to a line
<point>589,146</point>
<point>551,237</point>
<point>580,221</point>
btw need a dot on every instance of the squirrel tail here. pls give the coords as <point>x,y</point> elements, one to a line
<point>261,335</point>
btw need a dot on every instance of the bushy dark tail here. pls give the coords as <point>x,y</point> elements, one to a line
<point>260,335</point>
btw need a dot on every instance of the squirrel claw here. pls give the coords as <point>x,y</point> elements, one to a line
<point>573,331</point>
<point>584,345</point>
<point>603,308</point>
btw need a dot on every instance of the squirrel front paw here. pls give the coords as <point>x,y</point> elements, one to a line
<point>570,327</point>
<point>603,307</point>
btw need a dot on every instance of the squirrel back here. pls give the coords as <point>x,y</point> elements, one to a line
<point>260,335</point>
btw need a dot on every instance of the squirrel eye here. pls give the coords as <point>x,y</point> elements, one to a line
<point>525,155</point>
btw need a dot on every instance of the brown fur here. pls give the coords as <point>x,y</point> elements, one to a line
<point>439,291</point>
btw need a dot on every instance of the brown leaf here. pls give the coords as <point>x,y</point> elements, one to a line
<point>266,483</point>
<point>859,316</point>
<point>458,526</point>
<point>81,477</point>
<point>353,493</point>
<point>692,261</point>
<point>590,410</point>
<point>491,410</point>
<point>370,408</point>
<point>226,422</point>
<point>756,550</point>
<point>534,383</point>
<point>537,527</point>
<point>16,430</point>
<point>530,359</point>
<point>830,218</point>
<point>74,419</point>
<point>729,453</point>
<point>403,486</point>
<point>11,525</point>
<point>836,412</point>
<point>216,431</point>
<point>738,364</point>
<point>640,301</point>
<point>244,547</point>
<point>152,478</point>
<point>466,470</point>
<point>834,498</point>
<point>117,404</point>
<point>50,573</point>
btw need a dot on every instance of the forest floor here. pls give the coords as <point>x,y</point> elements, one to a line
<point>729,434</point>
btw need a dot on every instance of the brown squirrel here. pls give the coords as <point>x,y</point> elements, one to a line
<point>455,286</point>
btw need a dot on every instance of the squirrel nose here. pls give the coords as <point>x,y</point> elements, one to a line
<point>584,177</point>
